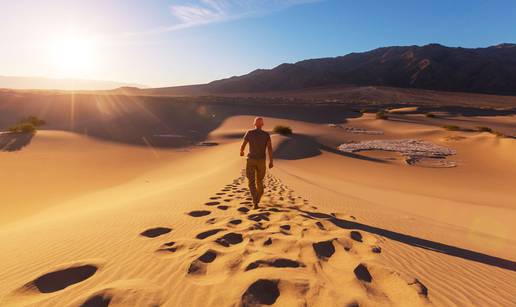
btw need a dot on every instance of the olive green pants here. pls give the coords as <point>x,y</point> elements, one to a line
<point>255,172</point>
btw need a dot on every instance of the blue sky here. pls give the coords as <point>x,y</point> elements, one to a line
<point>165,42</point>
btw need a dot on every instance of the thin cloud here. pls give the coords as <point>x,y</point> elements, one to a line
<point>193,13</point>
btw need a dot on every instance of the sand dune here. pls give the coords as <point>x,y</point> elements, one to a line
<point>97,223</point>
<point>60,166</point>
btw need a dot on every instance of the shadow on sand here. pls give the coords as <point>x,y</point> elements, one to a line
<point>295,147</point>
<point>350,155</point>
<point>418,242</point>
<point>300,146</point>
<point>151,121</point>
<point>14,141</point>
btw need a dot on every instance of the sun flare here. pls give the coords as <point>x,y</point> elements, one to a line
<point>74,56</point>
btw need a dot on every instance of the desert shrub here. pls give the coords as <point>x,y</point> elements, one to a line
<point>284,130</point>
<point>483,129</point>
<point>27,125</point>
<point>498,134</point>
<point>22,128</point>
<point>37,122</point>
<point>365,111</point>
<point>381,115</point>
<point>451,127</point>
<point>430,115</point>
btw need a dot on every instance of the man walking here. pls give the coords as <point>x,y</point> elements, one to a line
<point>255,167</point>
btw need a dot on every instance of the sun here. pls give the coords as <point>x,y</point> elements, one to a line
<point>74,56</point>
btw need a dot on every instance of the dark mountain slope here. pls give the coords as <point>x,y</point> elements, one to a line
<point>435,67</point>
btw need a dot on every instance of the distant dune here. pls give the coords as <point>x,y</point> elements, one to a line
<point>339,95</point>
<point>14,82</point>
<point>180,121</point>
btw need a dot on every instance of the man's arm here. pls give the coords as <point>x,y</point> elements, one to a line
<point>242,148</point>
<point>269,149</point>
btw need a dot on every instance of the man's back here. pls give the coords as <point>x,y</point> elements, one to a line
<point>258,140</point>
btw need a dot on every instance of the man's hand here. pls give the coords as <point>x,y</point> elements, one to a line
<point>271,165</point>
<point>242,147</point>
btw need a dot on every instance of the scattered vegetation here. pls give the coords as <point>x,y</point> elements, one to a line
<point>484,129</point>
<point>478,129</point>
<point>37,122</point>
<point>498,134</point>
<point>381,115</point>
<point>487,129</point>
<point>365,111</point>
<point>430,115</point>
<point>22,128</point>
<point>283,130</point>
<point>451,127</point>
<point>27,125</point>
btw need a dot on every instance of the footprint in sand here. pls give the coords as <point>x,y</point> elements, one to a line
<point>199,213</point>
<point>285,227</point>
<point>99,300</point>
<point>169,247</point>
<point>355,235</point>
<point>208,256</point>
<point>324,249</point>
<point>212,203</point>
<point>261,292</point>
<point>155,232</point>
<point>282,236</point>
<point>230,239</point>
<point>61,279</point>
<point>362,273</point>
<point>198,266</point>
<point>259,217</point>
<point>211,221</point>
<point>243,209</point>
<point>121,293</point>
<point>276,263</point>
<point>376,249</point>
<point>209,233</point>
<point>259,226</point>
<point>235,222</point>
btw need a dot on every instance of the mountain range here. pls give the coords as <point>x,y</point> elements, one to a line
<point>489,70</point>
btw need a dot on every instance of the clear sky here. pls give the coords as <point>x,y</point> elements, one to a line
<point>167,42</point>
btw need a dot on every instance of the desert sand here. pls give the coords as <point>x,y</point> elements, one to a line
<point>91,222</point>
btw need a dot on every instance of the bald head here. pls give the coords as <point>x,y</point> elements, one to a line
<point>258,122</point>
